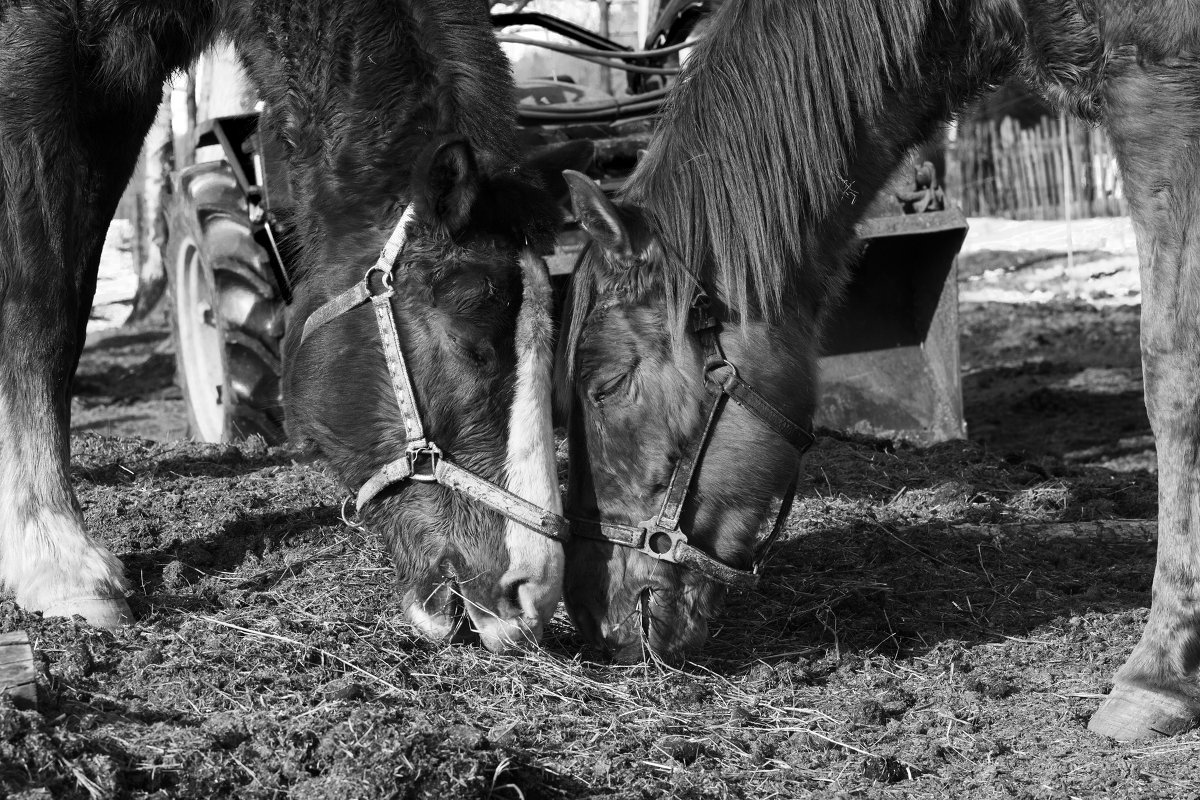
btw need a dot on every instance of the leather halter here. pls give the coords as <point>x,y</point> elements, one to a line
<point>423,460</point>
<point>661,537</point>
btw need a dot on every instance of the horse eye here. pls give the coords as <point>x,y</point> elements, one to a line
<point>481,354</point>
<point>609,388</point>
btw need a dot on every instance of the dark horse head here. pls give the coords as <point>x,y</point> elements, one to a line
<point>408,107</point>
<point>788,119</point>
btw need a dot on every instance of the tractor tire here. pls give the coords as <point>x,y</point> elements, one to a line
<point>226,312</point>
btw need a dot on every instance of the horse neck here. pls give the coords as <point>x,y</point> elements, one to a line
<point>811,271</point>
<point>355,90</point>
<point>765,163</point>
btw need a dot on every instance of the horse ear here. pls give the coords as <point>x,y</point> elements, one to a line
<point>446,183</point>
<point>549,161</point>
<point>598,216</point>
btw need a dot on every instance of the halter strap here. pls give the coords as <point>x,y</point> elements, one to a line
<point>423,460</point>
<point>360,292</point>
<point>743,394</point>
<point>661,537</point>
<point>429,465</point>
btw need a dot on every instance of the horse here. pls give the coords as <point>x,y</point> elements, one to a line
<point>417,358</point>
<point>687,365</point>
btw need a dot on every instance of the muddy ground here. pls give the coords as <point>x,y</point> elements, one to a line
<point>921,631</point>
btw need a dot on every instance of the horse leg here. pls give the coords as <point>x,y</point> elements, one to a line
<point>77,95</point>
<point>1154,121</point>
<point>46,556</point>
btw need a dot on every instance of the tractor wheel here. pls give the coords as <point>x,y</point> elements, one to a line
<point>226,313</point>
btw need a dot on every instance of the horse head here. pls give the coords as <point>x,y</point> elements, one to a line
<point>643,384</point>
<point>469,300</point>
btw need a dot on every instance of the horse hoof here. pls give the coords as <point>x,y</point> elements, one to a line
<point>100,612</point>
<point>1130,713</point>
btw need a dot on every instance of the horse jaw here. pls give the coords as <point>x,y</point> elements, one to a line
<point>535,562</point>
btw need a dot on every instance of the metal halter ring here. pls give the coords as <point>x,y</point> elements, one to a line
<point>713,366</point>
<point>415,454</point>
<point>659,543</point>
<point>385,278</point>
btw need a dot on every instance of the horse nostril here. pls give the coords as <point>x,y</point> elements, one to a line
<point>438,616</point>
<point>510,598</point>
<point>529,599</point>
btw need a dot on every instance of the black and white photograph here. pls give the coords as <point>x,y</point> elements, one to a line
<point>630,399</point>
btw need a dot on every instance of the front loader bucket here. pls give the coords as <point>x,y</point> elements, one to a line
<point>891,348</point>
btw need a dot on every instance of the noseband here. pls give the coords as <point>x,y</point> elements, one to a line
<point>661,537</point>
<point>423,460</point>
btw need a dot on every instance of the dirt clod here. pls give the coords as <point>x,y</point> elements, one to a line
<point>683,749</point>
<point>77,661</point>
<point>885,770</point>
<point>990,687</point>
<point>12,722</point>
<point>226,729</point>
<point>342,689</point>
<point>869,712</point>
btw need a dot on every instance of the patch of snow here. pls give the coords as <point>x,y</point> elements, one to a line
<point>1111,234</point>
<point>1101,283</point>
<point>995,294</point>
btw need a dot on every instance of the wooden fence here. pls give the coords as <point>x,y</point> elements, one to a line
<point>1009,171</point>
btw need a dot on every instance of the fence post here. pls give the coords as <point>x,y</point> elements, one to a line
<point>1066,189</point>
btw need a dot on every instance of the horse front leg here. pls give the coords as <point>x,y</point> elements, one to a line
<point>1155,126</point>
<point>46,556</point>
<point>79,87</point>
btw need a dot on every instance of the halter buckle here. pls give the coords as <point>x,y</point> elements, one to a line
<point>702,316</point>
<point>423,462</point>
<point>658,543</point>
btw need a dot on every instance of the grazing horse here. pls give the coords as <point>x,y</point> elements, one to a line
<point>688,359</point>
<point>420,372</point>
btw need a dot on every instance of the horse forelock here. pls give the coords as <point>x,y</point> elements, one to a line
<point>580,300</point>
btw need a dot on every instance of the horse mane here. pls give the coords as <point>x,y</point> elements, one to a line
<point>1160,29</point>
<point>788,111</point>
<point>756,144</point>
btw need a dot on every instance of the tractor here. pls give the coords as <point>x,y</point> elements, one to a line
<point>890,365</point>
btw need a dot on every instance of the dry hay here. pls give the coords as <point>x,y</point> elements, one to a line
<point>916,633</point>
